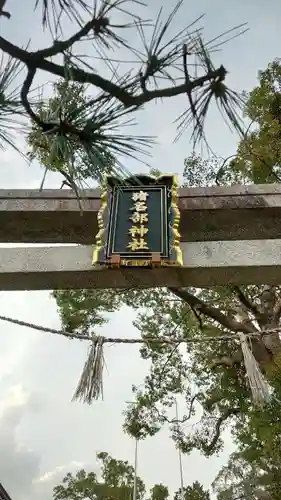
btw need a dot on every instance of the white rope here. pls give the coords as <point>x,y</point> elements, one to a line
<point>90,386</point>
<point>112,340</point>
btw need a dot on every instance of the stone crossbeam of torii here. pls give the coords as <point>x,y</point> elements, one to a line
<point>229,235</point>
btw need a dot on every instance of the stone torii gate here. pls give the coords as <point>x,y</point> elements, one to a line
<point>228,235</point>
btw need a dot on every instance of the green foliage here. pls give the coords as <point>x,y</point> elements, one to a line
<point>83,310</point>
<point>259,153</point>
<point>119,474</point>
<point>67,153</point>
<point>255,472</point>
<point>194,492</point>
<point>211,172</point>
<point>173,373</point>
<point>199,172</point>
<point>116,483</point>
<point>258,156</point>
<point>237,479</point>
<point>10,106</point>
<point>78,487</point>
<point>259,444</point>
<point>248,479</point>
<point>159,492</point>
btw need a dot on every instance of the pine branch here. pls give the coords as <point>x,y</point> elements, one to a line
<point>125,97</point>
<point>24,94</point>
<point>4,12</point>
<point>58,47</point>
<point>78,75</point>
<point>162,58</point>
<point>63,127</point>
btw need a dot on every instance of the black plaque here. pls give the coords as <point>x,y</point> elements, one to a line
<point>139,220</point>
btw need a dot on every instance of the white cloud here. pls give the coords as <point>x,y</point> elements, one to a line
<point>49,476</point>
<point>18,464</point>
<point>15,396</point>
<point>20,471</point>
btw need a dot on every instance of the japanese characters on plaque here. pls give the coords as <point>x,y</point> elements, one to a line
<point>139,220</point>
<point>139,230</point>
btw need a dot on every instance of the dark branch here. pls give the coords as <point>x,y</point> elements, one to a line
<point>24,95</point>
<point>187,417</point>
<point>210,311</point>
<point>32,60</point>
<point>4,12</point>
<point>245,301</point>
<point>176,90</point>
<point>227,360</point>
<point>228,413</point>
<point>60,46</point>
<point>78,75</point>
<point>187,81</point>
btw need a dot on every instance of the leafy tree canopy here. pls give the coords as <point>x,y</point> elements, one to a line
<point>194,492</point>
<point>258,157</point>
<point>247,480</point>
<point>116,483</point>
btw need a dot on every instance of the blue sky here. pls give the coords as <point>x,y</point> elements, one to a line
<point>42,434</point>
